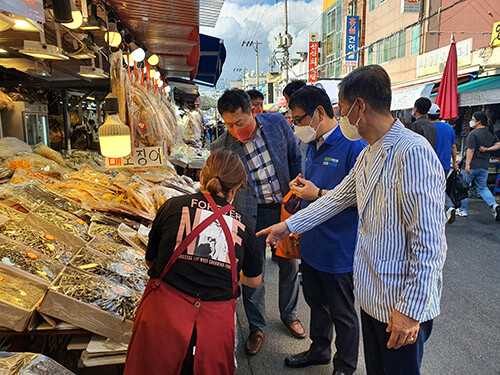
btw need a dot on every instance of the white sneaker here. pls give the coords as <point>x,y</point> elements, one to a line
<point>461,213</point>
<point>496,212</point>
<point>451,215</point>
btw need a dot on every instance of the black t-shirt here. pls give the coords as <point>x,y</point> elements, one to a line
<point>203,270</point>
<point>425,128</point>
<point>475,139</point>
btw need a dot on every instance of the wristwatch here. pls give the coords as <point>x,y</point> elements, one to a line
<point>320,193</point>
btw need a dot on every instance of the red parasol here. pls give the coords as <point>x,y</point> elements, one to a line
<point>447,94</point>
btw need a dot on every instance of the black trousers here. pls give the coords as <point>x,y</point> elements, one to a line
<point>382,361</point>
<point>331,300</point>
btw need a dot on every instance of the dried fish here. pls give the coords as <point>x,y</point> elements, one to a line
<point>126,253</point>
<point>105,232</point>
<point>19,291</point>
<point>133,276</point>
<point>64,220</point>
<point>97,291</point>
<point>37,240</point>
<point>11,213</point>
<point>23,258</point>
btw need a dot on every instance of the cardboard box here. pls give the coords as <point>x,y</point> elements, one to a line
<point>12,316</point>
<point>84,315</point>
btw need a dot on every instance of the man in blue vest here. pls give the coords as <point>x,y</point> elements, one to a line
<point>327,251</point>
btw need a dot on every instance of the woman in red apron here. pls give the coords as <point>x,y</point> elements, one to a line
<point>198,245</point>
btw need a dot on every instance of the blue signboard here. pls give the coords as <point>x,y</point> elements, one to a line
<point>27,8</point>
<point>351,43</point>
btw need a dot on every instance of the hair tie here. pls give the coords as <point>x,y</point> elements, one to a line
<point>218,178</point>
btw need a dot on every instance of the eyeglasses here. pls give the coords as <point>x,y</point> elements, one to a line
<point>298,121</point>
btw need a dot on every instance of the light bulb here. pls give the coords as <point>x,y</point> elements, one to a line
<point>157,75</point>
<point>160,83</point>
<point>153,59</point>
<point>152,73</point>
<point>138,54</point>
<point>168,89</point>
<point>112,36</point>
<point>77,17</point>
<point>130,61</point>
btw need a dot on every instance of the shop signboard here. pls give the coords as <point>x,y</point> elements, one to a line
<point>27,8</point>
<point>351,45</point>
<point>410,6</point>
<point>495,35</point>
<point>433,62</point>
<point>141,157</point>
<point>313,57</point>
<point>405,99</point>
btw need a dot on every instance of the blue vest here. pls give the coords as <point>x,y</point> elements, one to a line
<point>330,246</point>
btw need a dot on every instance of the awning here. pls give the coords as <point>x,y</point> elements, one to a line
<point>480,91</point>
<point>212,58</point>
<point>405,99</point>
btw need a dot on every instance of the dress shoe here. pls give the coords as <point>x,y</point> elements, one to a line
<point>254,343</point>
<point>304,359</point>
<point>295,327</point>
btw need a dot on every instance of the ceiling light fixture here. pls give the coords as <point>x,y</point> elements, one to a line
<point>5,22</point>
<point>62,11</point>
<point>152,73</point>
<point>157,75</point>
<point>153,59</point>
<point>112,36</point>
<point>25,24</point>
<point>93,71</point>
<point>42,50</point>
<point>114,135</point>
<point>77,17</point>
<point>138,54</point>
<point>93,22</point>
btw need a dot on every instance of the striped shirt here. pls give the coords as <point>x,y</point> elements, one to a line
<point>398,186</point>
<point>261,170</point>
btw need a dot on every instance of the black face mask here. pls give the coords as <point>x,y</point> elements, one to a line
<point>413,119</point>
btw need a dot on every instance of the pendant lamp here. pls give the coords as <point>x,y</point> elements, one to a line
<point>114,135</point>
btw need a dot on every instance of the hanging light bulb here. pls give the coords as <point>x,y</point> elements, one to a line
<point>112,36</point>
<point>77,17</point>
<point>160,83</point>
<point>157,75</point>
<point>138,54</point>
<point>152,73</point>
<point>153,59</point>
<point>114,135</point>
<point>130,61</point>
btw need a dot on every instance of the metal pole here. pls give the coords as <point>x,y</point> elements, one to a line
<point>286,54</point>
<point>66,121</point>
<point>244,80</point>
<point>257,62</point>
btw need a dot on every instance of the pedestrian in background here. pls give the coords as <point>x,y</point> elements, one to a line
<point>257,100</point>
<point>326,251</point>
<point>268,149</point>
<point>446,150</point>
<point>478,145</point>
<point>398,186</point>
<point>422,125</point>
<point>288,91</point>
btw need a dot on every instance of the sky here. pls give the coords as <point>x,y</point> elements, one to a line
<point>262,21</point>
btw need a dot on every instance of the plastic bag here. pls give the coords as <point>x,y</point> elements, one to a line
<point>38,164</point>
<point>30,364</point>
<point>456,188</point>
<point>47,152</point>
<point>126,253</point>
<point>10,146</point>
<point>78,159</point>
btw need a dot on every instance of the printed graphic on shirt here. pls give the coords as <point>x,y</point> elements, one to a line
<point>330,162</point>
<point>211,245</point>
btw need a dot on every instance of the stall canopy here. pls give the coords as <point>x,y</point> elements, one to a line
<point>212,58</point>
<point>481,91</point>
<point>170,29</point>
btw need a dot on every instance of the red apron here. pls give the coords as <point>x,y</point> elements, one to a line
<point>166,317</point>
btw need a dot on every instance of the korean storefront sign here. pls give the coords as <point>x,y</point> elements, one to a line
<point>433,62</point>
<point>140,157</point>
<point>27,8</point>
<point>351,43</point>
<point>410,6</point>
<point>313,57</point>
<point>495,35</point>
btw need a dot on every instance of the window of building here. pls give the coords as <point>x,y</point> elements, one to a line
<point>371,5</point>
<point>331,46</point>
<point>415,40</point>
<point>391,48</point>
<point>401,44</point>
<point>352,8</point>
<point>370,55</point>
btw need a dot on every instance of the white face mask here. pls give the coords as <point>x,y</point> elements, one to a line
<point>349,130</point>
<point>306,133</point>
<point>472,123</point>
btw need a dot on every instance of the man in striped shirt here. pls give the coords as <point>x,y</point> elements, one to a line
<point>399,188</point>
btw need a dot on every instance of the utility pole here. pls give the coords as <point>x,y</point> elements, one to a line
<point>255,46</point>
<point>283,43</point>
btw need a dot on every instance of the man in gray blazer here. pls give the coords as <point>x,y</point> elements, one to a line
<point>269,151</point>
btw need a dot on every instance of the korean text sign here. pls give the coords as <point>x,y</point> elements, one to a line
<point>313,58</point>
<point>351,45</point>
<point>140,157</point>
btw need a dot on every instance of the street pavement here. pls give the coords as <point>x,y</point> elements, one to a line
<point>466,336</point>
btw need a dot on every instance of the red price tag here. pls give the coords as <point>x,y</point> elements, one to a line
<point>118,290</point>
<point>140,253</point>
<point>80,221</point>
<point>50,237</point>
<point>141,125</point>
<point>1,279</point>
<point>31,255</point>
<point>127,268</point>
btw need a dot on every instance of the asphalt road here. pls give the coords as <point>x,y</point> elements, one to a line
<point>466,336</point>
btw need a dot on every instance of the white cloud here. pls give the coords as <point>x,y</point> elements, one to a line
<point>239,21</point>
